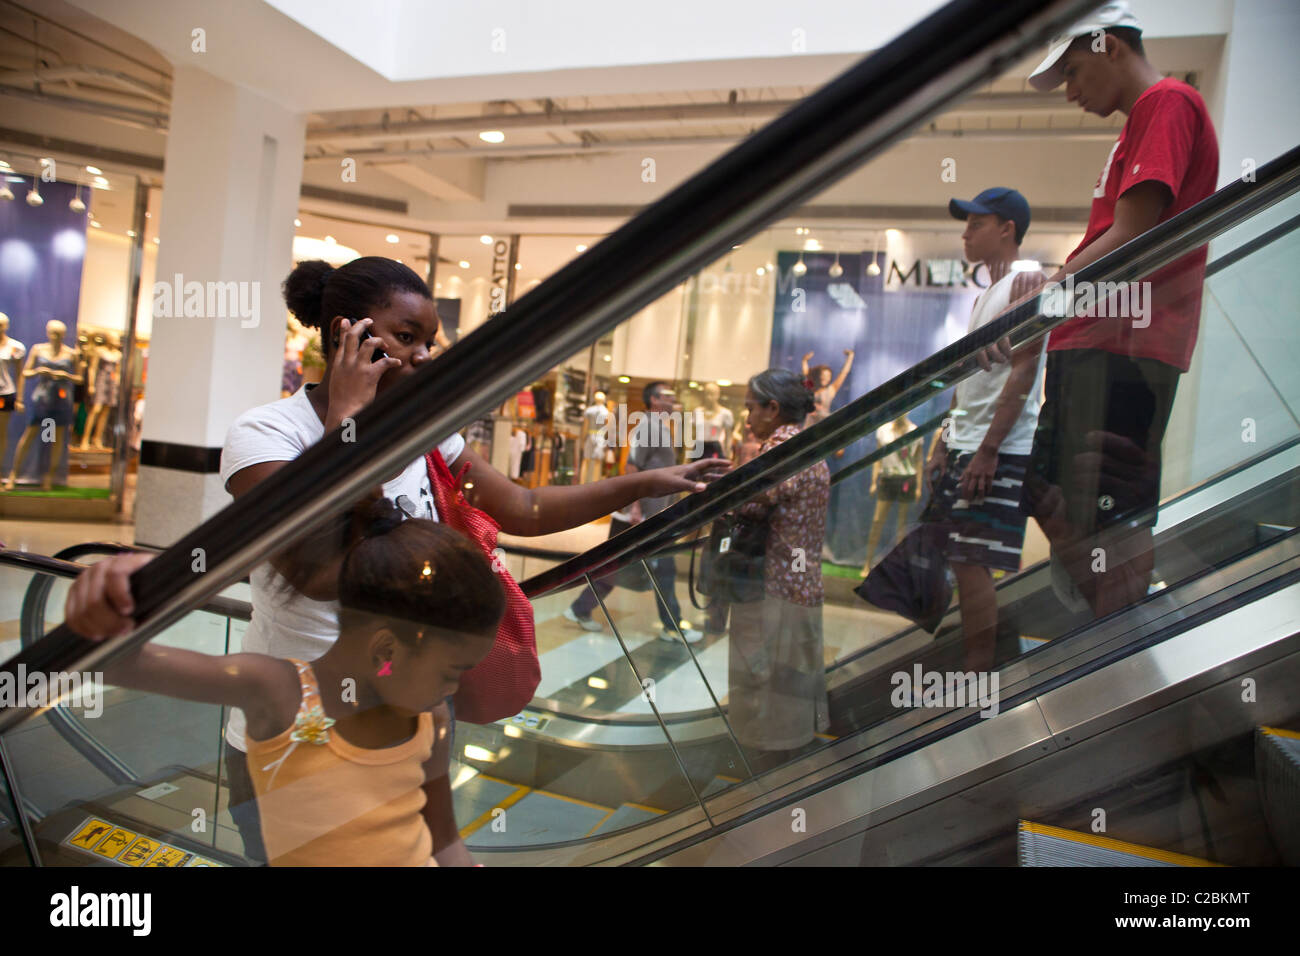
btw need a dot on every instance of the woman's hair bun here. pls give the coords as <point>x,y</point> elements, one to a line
<point>304,290</point>
<point>381,517</point>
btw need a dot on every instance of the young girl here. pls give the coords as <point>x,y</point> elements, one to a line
<point>349,754</point>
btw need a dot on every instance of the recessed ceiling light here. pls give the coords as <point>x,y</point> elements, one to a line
<point>624,379</point>
<point>608,358</point>
<point>157,241</point>
<point>131,233</point>
<point>297,223</point>
<point>759,271</point>
<point>463,264</point>
<point>148,215</point>
<point>580,247</point>
<point>492,136</point>
<point>519,265</point>
<point>95,223</point>
<point>94,170</point>
<point>486,240</point>
<point>393,237</point>
<point>101,180</point>
<point>724,382</point>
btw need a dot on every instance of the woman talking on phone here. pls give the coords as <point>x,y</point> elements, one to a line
<point>370,304</point>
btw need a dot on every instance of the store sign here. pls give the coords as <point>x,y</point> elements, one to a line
<point>500,276</point>
<point>938,273</point>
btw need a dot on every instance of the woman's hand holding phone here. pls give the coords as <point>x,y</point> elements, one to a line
<point>355,371</point>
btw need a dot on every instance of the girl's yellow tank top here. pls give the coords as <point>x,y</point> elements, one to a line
<point>324,802</point>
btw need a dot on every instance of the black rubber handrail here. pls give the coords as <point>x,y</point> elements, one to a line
<point>1144,254</point>
<point>856,116</point>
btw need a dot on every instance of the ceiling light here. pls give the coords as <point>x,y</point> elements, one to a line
<point>101,181</point>
<point>131,233</point>
<point>94,170</point>
<point>724,382</point>
<point>694,384</point>
<point>34,195</point>
<point>297,223</point>
<point>5,191</point>
<point>624,379</point>
<point>799,267</point>
<point>607,358</point>
<point>149,215</point>
<point>836,270</point>
<point>157,241</point>
<point>77,205</point>
<point>580,247</point>
<point>463,264</point>
<point>95,223</point>
<point>486,240</point>
<point>518,266</point>
<point>759,271</point>
<point>4,164</point>
<point>492,136</point>
<point>393,238</point>
<point>812,245</point>
<point>873,269</point>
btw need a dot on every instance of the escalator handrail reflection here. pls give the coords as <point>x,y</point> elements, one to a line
<point>1139,257</point>
<point>949,53</point>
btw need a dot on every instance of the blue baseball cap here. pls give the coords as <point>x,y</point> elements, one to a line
<point>999,201</point>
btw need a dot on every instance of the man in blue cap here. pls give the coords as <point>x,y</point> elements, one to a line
<point>977,465</point>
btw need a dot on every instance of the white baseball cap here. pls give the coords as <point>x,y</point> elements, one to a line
<point>1051,72</point>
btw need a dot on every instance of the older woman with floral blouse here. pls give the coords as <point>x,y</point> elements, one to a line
<point>777,689</point>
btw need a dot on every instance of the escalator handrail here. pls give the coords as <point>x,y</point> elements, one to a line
<point>1139,257</point>
<point>856,116</point>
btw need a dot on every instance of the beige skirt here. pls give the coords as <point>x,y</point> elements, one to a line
<point>776,675</point>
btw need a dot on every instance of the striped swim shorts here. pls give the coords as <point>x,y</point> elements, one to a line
<point>990,531</point>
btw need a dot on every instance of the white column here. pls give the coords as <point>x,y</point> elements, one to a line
<point>1242,382</point>
<point>232,178</point>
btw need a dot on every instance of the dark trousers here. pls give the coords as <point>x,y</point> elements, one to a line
<point>243,805</point>
<point>664,570</point>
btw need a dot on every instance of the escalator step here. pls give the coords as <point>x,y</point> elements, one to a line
<point>1277,771</point>
<point>1043,845</point>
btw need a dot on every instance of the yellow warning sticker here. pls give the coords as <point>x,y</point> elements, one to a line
<point>91,832</point>
<point>168,856</point>
<point>139,851</point>
<point>114,843</point>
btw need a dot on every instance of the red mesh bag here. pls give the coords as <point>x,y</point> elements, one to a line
<point>503,683</point>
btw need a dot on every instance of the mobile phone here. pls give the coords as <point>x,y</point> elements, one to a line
<point>365,334</point>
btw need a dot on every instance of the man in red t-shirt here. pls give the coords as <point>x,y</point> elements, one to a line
<point>1094,477</point>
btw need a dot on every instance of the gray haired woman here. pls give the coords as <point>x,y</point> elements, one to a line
<point>777,690</point>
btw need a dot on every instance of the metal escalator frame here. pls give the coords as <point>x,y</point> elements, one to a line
<point>1271,569</point>
<point>832,132</point>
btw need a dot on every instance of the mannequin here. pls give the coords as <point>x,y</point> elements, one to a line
<point>746,443</point>
<point>716,424</point>
<point>105,361</point>
<point>55,365</point>
<point>12,353</point>
<point>594,418</point>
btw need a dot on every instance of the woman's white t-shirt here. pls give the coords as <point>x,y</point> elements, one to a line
<point>285,623</point>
